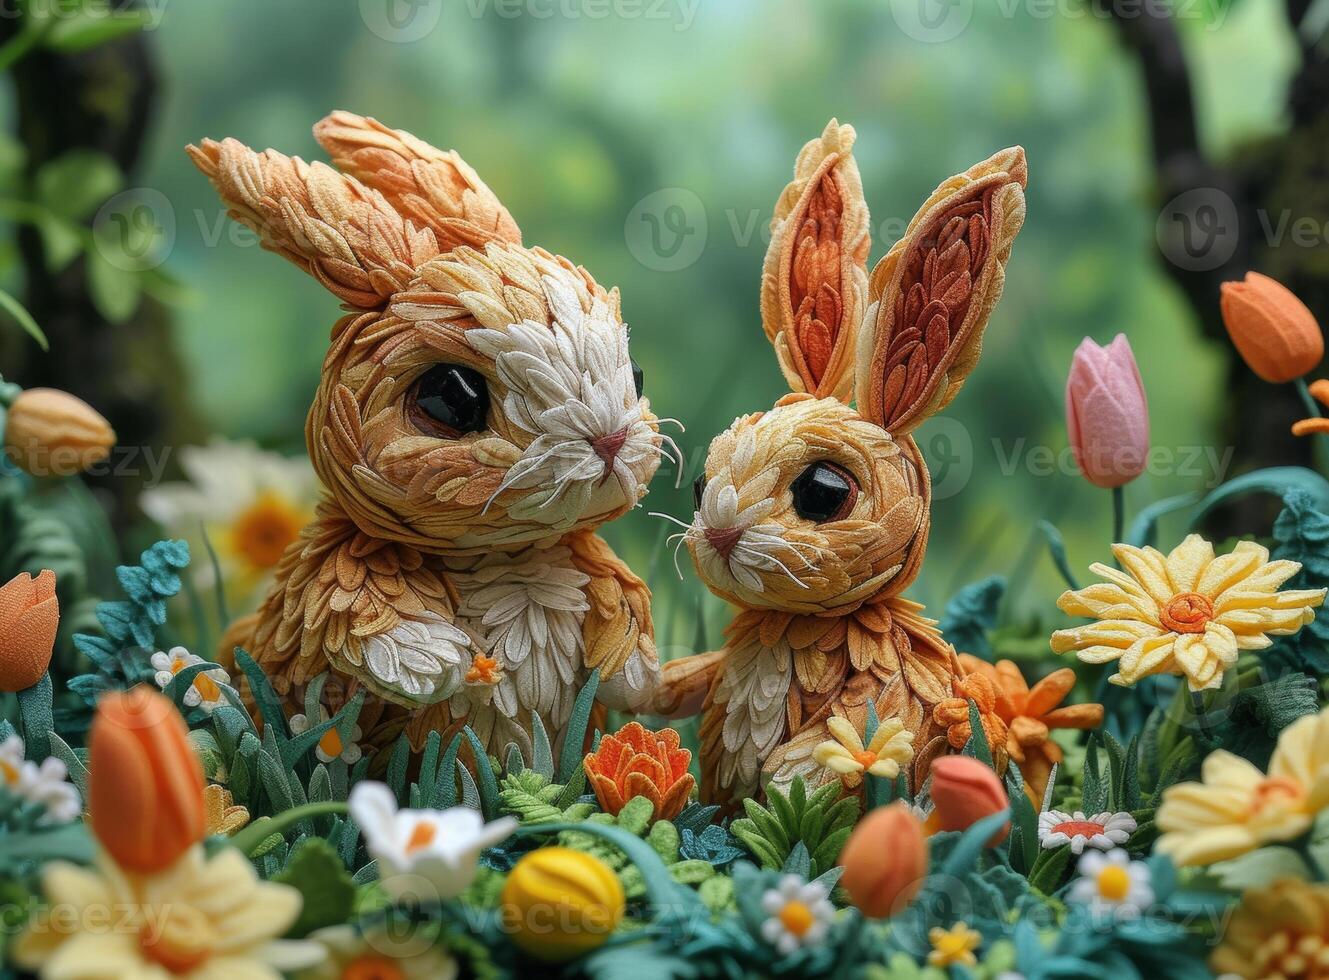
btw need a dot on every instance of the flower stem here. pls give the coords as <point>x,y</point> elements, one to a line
<point>1312,406</point>
<point>256,833</point>
<point>1118,514</point>
<point>1302,845</point>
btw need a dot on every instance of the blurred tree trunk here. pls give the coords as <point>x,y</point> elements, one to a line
<point>102,100</point>
<point>1220,219</point>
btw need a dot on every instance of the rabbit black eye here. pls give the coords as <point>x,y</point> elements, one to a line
<point>698,488</point>
<point>450,400</point>
<point>638,379</point>
<point>824,492</point>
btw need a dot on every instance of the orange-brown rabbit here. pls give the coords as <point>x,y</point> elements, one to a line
<point>477,418</point>
<point>813,516</point>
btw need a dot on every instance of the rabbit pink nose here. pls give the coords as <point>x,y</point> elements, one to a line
<point>723,539</point>
<point>608,447</point>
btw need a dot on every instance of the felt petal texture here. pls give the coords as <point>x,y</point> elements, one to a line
<point>1277,336</point>
<point>1107,414</point>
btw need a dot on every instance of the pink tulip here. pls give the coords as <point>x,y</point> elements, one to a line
<point>1107,416</point>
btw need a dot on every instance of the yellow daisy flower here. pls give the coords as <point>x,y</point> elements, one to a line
<point>955,945</point>
<point>1188,612</point>
<point>202,918</point>
<point>846,756</point>
<point>1279,930</point>
<point>1237,808</point>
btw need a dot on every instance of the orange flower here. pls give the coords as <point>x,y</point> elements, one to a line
<point>1272,330</point>
<point>145,790</point>
<point>1031,713</point>
<point>953,715</point>
<point>885,861</point>
<point>484,670</point>
<point>1306,427</point>
<point>29,615</point>
<point>640,762</point>
<point>964,791</point>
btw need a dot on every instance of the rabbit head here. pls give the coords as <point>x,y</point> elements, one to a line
<point>477,394</point>
<point>815,506</point>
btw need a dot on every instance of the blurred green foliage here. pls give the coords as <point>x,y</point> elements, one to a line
<point>575,118</point>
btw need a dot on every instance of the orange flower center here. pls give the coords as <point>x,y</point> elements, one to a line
<point>865,758</point>
<point>484,670</point>
<point>370,967</point>
<point>421,837</point>
<point>9,771</point>
<point>1085,828</point>
<point>262,533</point>
<point>1277,793</point>
<point>205,685</point>
<point>179,938</point>
<point>797,918</point>
<point>331,743</point>
<point>1187,613</point>
<point>1294,955</point>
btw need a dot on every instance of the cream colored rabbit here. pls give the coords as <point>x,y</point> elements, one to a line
<point>478,417</point>
<point>813,517</point>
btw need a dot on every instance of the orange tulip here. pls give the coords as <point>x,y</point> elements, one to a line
<point>964,791</point>
<point>29,616</point>
<point>640,762</point>
<point>1273,330</point>
<point>52,433</point>
<point>1031,713</point>
<point>885,861</point>
<point>145,791</point>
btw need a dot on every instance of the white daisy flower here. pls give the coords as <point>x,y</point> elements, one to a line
<point>1102,831</point>
<point>330,745</point>
<point>800,914</point>
<point>46,784</point>
<point>1112,885</point>
<point>427,855</point>
<point>252,503</point>
<point>206,690</point>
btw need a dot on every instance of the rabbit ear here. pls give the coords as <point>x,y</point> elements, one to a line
<point>814,281</point>
<point>434,188</point>
<point>343,233</point>
<point>932,293</point>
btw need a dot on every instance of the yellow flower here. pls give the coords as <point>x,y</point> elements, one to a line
<point>382,953</point>
<point>1280,930</point>
<point>221,812</point>
<point>202,918</point>
<point>1184,613</point>
<point>955,945</point>
<point>846,755</point>
<point>1237,808</point>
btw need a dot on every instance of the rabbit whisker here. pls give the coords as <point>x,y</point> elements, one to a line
<point>672,519</point>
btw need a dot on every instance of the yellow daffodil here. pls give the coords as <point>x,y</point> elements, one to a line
<point>1280,930</point>
<point>1187,613</point>
<point>845,755</point>
<point>202,918</point>
<point>1237,808</point>
<point>953,946</point>
<point>223,814</point>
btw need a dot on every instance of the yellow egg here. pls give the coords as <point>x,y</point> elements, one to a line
<point>559,904</point>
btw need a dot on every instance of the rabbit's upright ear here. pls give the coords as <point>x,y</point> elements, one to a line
<point>343,233</point>
<point>434,188</point>
<point>932,293</point>
<point>814,281</point>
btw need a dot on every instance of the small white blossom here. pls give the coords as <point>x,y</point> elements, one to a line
<point>206,690</point>
<point>436,849</point>
<point>1112,885</point>
<point>1102,831</point>
<point>800,914</point>
<point>330,746</point>
<point>45,784</point>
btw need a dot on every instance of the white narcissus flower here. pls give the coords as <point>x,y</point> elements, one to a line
<point>439,849</point>
<point>330,746</point>
<point>206,690</point>
<point>45,784</point>
<point>1102,831</point>
<point>800,914</point>
<point>1111,885</point>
